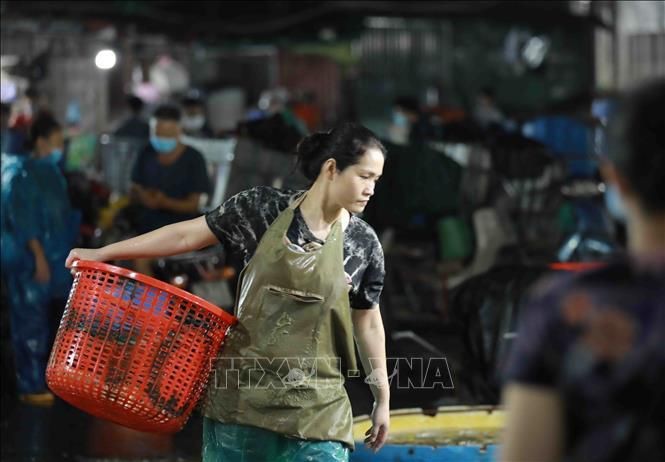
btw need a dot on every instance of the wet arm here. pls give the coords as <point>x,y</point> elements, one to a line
<point>371,340</point>
<point>174,239</point>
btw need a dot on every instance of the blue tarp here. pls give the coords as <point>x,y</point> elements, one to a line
<point>414,453</point>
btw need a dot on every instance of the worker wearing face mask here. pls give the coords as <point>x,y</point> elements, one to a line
<point>194,121</point>
<point>168,177</point>
<point>38,227</point>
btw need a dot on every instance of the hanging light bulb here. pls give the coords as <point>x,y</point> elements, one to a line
<point>105,59</point>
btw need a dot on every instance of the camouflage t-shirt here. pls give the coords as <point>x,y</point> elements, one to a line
<point>240,222</point>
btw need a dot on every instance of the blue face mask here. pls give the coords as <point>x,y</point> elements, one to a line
<point>163,145</point>
<point>55,156</point>
<point>614,204</point>
<point>400,119</point>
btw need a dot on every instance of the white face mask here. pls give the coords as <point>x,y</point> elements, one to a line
<point>614,204</point>
<point>193,123</point>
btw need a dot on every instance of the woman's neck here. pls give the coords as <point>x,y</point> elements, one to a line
<point>318,210</point>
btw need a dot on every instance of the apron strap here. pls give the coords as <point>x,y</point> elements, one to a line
<point>298,201</point>
<point>301,198</point>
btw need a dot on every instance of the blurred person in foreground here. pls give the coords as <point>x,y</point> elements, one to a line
<point>38,228</point>
<point>586,378</point>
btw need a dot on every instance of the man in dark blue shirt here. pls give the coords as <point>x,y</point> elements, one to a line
<point>168,177</point>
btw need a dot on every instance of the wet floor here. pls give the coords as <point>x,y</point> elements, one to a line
<point>63,433</point>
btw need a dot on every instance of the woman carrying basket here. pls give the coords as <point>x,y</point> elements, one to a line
<point>311,279</point>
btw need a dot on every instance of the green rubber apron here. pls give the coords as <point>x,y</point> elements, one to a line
<point>283,365</point>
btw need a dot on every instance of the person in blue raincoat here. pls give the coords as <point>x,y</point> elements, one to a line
<point>39,227</point>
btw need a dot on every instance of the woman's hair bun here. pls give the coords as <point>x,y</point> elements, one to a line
<point>311,145</point>
<point>309,151</point>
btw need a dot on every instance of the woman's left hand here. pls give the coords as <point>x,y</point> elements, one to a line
<point>378,433</point>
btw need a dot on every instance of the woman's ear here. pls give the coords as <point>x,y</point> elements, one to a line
<point>330,168</point>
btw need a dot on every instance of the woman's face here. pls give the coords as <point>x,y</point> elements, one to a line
<point>354,186</point>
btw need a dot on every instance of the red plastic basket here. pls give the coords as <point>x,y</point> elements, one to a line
<point>134,350</point>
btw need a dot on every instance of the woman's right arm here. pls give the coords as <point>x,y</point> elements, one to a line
<point>174,239</point>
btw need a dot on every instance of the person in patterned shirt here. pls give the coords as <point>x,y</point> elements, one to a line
<point>308,249</point>
<point>586,378</point>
